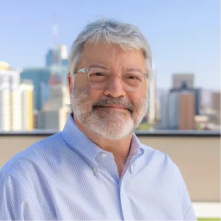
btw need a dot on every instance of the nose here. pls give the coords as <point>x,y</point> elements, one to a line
<point>114,88</point>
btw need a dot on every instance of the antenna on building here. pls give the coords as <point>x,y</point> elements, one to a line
<point>55,39</point>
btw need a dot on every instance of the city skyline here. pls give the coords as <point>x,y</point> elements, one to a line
<point>183,35</point>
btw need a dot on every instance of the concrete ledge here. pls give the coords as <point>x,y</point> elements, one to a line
<point>207,210</point>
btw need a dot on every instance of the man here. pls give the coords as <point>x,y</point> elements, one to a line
<point>96,168</point>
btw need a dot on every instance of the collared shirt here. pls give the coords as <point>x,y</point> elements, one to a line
<point>67,176</point>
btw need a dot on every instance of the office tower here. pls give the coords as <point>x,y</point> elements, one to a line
<point>216,104</point>
<point>57,62</point>
<point>164,110</point>
<point>5,110</point>
<point>61,71</point>
<point>186,111</point>
<point>206,99</point>
<point>9,80</point>
<point>22,107</point>
<point>9,77</point>
<point>177,110</point>
<point>44,94</point>
<point>39,77</point>
<point>55,114</point>
<point>58,56</point>
<point>173,111</point>
<point>151,113</point>
<point>180,79</point>
<point>169,114</point>
<point>197,95</point>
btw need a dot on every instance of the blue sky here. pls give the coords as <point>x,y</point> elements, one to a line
<point>184,35</point>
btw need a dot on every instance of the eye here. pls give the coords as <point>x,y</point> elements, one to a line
<point>132,77</point>
<point>97,74</point>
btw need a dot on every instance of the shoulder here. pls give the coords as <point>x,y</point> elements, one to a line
<point>37,154</point>
<point>161,160</point>
<point>155,155</point>
<point>161,163</point>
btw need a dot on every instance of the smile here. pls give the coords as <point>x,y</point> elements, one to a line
<point>114,107</point>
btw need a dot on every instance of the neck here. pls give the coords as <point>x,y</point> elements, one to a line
<point>119,148</point>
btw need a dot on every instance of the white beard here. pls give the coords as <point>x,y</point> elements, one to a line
<point>110,124</point>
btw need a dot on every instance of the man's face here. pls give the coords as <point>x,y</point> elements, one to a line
<point>112,112</point>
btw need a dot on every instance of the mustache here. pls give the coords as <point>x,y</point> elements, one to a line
<point>114,101</point>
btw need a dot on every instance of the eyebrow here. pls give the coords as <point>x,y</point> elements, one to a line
<point>97,66</point>
<point>133,69</point>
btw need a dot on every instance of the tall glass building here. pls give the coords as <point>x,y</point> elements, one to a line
<point>39,77</point>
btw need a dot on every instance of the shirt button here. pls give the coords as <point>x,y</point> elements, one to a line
<point>104,155</point>
<point>131,169</point>
<point>95,169</point>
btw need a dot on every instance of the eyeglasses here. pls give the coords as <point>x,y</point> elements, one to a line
<point>100,78</point>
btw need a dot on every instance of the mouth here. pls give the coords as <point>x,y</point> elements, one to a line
<point>114,107</point>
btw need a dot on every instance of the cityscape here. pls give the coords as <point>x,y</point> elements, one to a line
<point>38,98</point>
<point>183,116</point>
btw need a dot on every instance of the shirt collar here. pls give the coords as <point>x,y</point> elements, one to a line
<point>81,144</point>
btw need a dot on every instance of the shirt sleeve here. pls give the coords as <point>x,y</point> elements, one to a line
<point>188,212</point>
<point>14,199</point>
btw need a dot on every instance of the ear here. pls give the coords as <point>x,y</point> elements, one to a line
<point>70,83</point>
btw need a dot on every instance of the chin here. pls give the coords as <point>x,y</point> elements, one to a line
<point>111,129</point>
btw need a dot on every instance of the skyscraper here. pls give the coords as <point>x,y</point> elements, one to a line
<point>152,98</point>
<point>57,62</point>
<point>38,76</point>
<point>180,79</point>
<point>186,111</point>
<point>22,107</point>
<point>55,114</point>
<point>57,56</point>
<point>216,104</point>
<point>197,95</point>
<point>9,80</point>
<point>178,110</point>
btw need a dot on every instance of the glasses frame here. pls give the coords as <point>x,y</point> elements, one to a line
<point>87,71</point>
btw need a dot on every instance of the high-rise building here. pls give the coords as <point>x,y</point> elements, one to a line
<point>197,94</point>
<point>180,79</point>
<point>57,62</point>
<point>22,107</point>
<point>38,76</point>
<point>177,110</point>
<point>9,80</point>
<point>216,104</point>
<point>164,110</point>
<point>59,72</point>
<point>5,110</point>
<point>55,114</point>
<point>186,111</point>
<point>169,106</point>
<point>173,111</point>
<point>57,56</point>
<point>152,98</point>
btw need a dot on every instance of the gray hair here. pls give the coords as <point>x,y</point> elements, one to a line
<point>127,36</point>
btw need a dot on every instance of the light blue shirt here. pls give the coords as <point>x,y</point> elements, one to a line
<point>67,176</point>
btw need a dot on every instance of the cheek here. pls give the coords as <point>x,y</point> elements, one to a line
<point>81,82</point>
<point>95,95</point>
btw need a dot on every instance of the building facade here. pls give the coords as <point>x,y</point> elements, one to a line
<point>55,114</point>
<point>216,104</point>
<point>180,79</point>
<point>186,111</point>
<point>38,76</point>
<point>9,81</point>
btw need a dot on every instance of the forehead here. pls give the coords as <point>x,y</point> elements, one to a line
<point>112,55</point>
